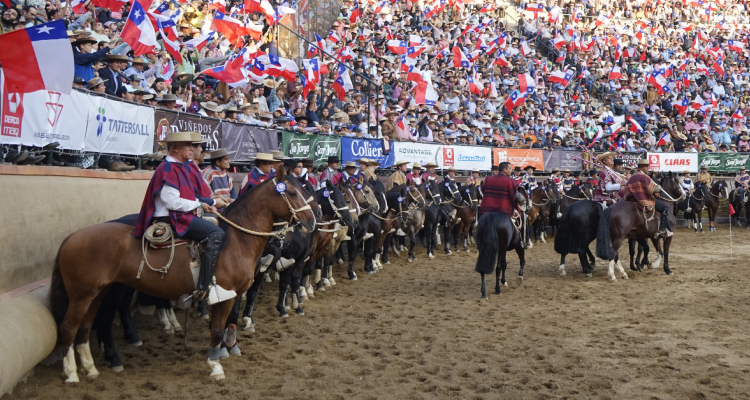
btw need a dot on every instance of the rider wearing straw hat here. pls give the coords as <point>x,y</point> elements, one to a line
<point>415,174</point>
<point>264,163</point>
<point>643,190</point>
<point>171,198</point>
<point>567,180</point>
<point>704,178</point>
<point>610,183</point>
<point>430,173</point>
<point>397,178</point>
<point>367,167</point>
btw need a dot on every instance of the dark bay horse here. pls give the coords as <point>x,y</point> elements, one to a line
<point>432,215</point>
<point>399,205</point>
<point>544,199</point>
<point>93,258</point>
<point>418,197</point>
<point>625,219</point>
<point>581,191</point>
<point>452,203</point>
<point>719,190</point>
<point>368,227</point>
<point>496,235</point>
<point>738,202</point>
<point>576,230</point>
<point>465,215</point>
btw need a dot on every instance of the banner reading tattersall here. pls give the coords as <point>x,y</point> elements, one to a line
<point>519,157</point>
<point>117,127</point>
<point>42,117</point>
<point>466,157</point>
<point>353,149</point>
<point>675,162</point>
<point>171,121</point>
<point>243,142</point>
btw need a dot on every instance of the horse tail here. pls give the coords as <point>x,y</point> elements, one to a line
<point>57,298</point>
<point>487,241</point>
<point>604,248</point>
<point>565,237</point>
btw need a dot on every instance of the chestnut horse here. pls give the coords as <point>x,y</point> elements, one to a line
<point>93,258</point>
<point>626,219</point>
<point>466,213</point>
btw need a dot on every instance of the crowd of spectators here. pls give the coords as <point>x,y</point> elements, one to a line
<point>666,56</point>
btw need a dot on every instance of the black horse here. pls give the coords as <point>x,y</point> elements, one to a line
<point>738,201</point>
<point>496,235</point>
<point>576,230</point>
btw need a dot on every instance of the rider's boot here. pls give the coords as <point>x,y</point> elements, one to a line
<point>664,229</point>
<point>207,287</point>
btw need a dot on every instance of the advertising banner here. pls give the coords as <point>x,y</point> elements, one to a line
<point>562,159</point>
<point>519,157</point>
<point>353,149</point>
<point>714,161</point>
<point>315,147</point>
<point>42,117</point>
<point>170,121</point>
<point>417,152</point>
<point>733,161</point>
<point>117,127</point>
<point>675,162</point>
<point>243,142</point>
<point>630,158</point>
<point>466,157</point>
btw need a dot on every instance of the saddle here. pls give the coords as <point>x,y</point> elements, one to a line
<point>160,236</point>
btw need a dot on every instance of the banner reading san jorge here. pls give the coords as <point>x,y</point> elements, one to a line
<point>315,147</point>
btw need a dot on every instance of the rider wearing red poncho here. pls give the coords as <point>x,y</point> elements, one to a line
<point>499,192</point>
<point>643,190</point>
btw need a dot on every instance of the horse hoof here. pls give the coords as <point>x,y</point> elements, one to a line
<point>484,297</point>
<point>410,259</point>
<point>300,311</point>
<point>72,379</point>
<point>670,273</point>
<point>223,353</point>
<point>498,292</point>
<point>613,280</point>
<point>283,315</point>
<point>519,280</point>
<point>235,351</point>
<point>430,256</point>
<point>625,276</point>
<point>117,368</point>
<point>339,261</point>
<point>386,263</point>
<point>168,331</point>
<point>506,283</point>
<point>563,274</point>
<point>589,275</point>
<point>137,344</point>
<point>326,282</point>
<point>447,253</point>
<point>353,277</point>
<point>370,272</point>
<point>333,283</point>
<point>217,372</point>
<point>468,251</point>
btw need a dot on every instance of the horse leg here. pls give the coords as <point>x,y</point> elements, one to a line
<point>659,254</point>
<point>126,320</point>
<point>447,232</point>
<point>219,314</point>
<point>412,243</point>
<point>667,244</point>
<point>247,315</point>
<point>631,251</point>
<point>522,259</point>
<point>592,259</point>
<point>616,243</point>
<point>585,264</point>
<point>561,268</point>
<point>169,310</point>
<point>103,325</point>
<point>386,247</point>
<point>281,305</point>
<point>76,325</point>
<point>350,270</point>
<point>484,296</point>
<point>229,343</point>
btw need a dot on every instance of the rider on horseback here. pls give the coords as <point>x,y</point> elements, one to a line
<point>567,180</point>
<point>171,198</point>
<point>703,178</point>
<point>610,182</point>
<point>398,178</point>
<point>414,175</point>
<point>741,182</point>
<point>687,185</point>
<point>332,171</point>
<point>644,191</point>
<point>499,192</point>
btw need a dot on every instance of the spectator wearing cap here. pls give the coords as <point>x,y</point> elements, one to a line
<point>137,68</point>
<point>247,115</point>
<point>126,92</point>
<point>84,58</point>
<point>78,82</point>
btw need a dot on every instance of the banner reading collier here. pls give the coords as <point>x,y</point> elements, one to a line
<point>353,149</point>
<point>170,121</point>
<point>243,142</point>
<point>466,157</point>
<point>519,157</point>
<point>675,162</point>
<point>315,147</point>
<point>118,128</point>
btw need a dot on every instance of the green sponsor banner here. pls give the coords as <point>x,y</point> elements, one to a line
<point>733,162</point>
<point>315,147</point>
<point>714,161</point>
<point>724,162</point>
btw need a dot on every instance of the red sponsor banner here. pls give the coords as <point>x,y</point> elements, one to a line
<point>12,115</point>
<point>519,157</point>
<point>448,157</point>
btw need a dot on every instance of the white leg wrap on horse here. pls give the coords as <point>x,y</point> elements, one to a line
<point>217,372</point>
<point>173,320</point>
<point>166,326</point>
<point>368,235</point>
<point>249,325</point>
<point>622,271</point>
<point>69,366</point>
<point>611,271</point>
<point>87,360</point>
<point>317,276</point>
<point>562,270</point>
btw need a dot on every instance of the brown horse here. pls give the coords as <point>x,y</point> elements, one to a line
<point>466,213</point>
<point>626,219</point>
<point>93,258</point>
<point>544,198</point>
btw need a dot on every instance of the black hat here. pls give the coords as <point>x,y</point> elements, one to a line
<point>291,162</point>
<point>78,80</point>
<point>530,166</point>
<point>517,168</point>
<point>496,168</point>
<point>303,118</point>
<point>619,161</point>
<point>333,159</point>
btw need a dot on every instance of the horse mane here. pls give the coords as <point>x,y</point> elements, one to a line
<point>241,199</point>
<point>397,188</point>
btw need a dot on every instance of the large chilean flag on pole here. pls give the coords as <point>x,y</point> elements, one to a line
<point>37,58</point>
<point>138,32</point>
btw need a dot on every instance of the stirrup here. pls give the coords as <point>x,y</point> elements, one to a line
<point>400,232</point>
<point>368,235</point>
<point>217,294</point>
<point>284,263</point>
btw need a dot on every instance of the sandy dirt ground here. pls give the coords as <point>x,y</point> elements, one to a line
<point>420,331</point>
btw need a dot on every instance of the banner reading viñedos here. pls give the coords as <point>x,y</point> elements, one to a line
<point>43,117</point>
<point>315,147</point>
<point>243,142</point>
<point>172,121</point>
<point>118,128</point>
<point>353,149</point>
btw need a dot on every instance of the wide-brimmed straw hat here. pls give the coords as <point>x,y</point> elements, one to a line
<point>222,152</point>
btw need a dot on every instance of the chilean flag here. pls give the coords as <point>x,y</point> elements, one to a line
<point>79,6</point>
<point>333,37</point>
<point>561,77</point>
<point>525,49</point>
<point>229,26</point>
<point>600,20</point>
<point>558,41</point>
<point>425,94</point>
<point>200,42</point>
<point>138,32</point>
<point>682,106</point>
<point>230,76</point>
<point>525,81</point>
<point>738,114</point>
<point>459,59</point>
<point>511,101</point>
<point>354,15</point>
<point>474,86</point>
<point>736,46</point>
<point>320,42</point>
<point>615,73</point>
<point>500,59</point>
<point>37,58</point>
<point>172,48</point>
<point>398,46</point>
<point>718,67</point>
<point>698,103</point>
<point>634,125</point>
<point>414,52</point>
<point>575,118</point>
<point>338,87</point>
<point>664,139</point>
<point>487,8</point>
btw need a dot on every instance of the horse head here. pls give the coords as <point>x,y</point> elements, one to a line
<point>587,189</point>
<point>349,197</point>
<point>670,184</point>
<point>309,193</point>
<point>432,192</point>
<point>722,189</point>
<point>470,195</point>
<point>416,194</point>
<point>375,189</point>
<point>450,192</point>
<point>552,191</point>
<point>336,204</point>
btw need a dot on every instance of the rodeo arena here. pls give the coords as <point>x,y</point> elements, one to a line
<point>321,199</point>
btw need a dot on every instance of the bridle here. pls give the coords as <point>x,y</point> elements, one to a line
<point>671,199</point>
<point>474,201</point>
<point>420,204</point>
<point>455,194</point>
<point>434,197</point>
<point>722,188</point>
<point>352,199</point>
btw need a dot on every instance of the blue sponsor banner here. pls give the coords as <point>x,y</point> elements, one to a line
<point>353,149</point>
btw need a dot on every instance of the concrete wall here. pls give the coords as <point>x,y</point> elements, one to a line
<point>41,206</point>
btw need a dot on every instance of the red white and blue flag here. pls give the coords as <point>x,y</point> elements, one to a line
<point>682,106</point>
<point>459,59</point>
<point>231,76</point>
<point>37,58</point>
<point>561,77</point>
<point>138,32</point>
<point>664,139</point>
